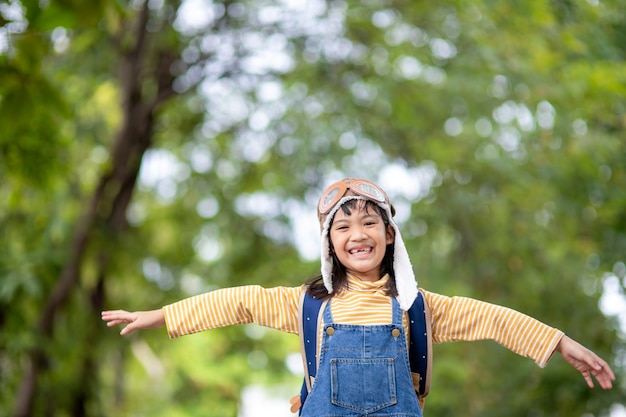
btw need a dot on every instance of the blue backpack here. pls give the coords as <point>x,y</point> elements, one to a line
<point>420,347</point>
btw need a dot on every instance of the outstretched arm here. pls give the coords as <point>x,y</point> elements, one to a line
<point>586,362</point>
<point>135,320</point>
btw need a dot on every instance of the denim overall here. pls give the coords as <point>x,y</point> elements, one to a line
<point>363,371</point>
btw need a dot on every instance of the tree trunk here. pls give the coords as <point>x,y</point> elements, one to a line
<point>108,205</point>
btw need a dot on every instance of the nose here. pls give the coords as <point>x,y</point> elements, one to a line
<point>358,233</point>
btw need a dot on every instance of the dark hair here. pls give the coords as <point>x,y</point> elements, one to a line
<point>339,276</point>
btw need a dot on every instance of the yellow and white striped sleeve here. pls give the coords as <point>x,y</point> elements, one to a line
<point>462,318</point>
<point>271,307</point>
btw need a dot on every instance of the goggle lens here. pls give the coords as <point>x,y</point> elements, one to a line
<point>368,190</point>
<point>330,197</point>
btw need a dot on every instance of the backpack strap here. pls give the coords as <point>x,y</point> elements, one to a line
<point>309,313</point>
<point>420,349</point>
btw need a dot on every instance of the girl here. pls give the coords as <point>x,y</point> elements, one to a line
<point>367,277</point>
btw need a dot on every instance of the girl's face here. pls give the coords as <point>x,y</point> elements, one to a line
<point>360,241</point>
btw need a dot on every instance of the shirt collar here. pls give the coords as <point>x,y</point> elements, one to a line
<point>367,286</point>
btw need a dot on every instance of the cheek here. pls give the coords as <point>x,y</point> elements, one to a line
<point>333,241</point>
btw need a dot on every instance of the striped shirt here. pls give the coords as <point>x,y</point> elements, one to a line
<point>365,303</point>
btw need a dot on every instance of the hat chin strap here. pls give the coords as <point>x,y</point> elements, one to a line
<point>406,283</point>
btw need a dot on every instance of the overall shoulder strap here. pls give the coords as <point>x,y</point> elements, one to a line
<point>420,350</point>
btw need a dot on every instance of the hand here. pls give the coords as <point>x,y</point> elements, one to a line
<point>586,362</point>
<point>136,320</point>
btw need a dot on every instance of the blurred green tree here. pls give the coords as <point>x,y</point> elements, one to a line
<point>154,150</point>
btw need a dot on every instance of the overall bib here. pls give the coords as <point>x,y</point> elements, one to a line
<point>363,371</point>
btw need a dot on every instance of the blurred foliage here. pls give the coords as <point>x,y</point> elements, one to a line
<point>498,129</point>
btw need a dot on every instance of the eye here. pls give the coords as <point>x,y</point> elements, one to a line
<point>370,221</point>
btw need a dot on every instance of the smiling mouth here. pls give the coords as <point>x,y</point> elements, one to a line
<point>361,251</point>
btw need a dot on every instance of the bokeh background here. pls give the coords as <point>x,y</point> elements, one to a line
<point>152,150</point>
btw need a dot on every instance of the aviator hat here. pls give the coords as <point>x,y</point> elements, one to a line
<point>360,189</point>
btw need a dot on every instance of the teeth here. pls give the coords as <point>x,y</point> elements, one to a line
<point>360,251</point>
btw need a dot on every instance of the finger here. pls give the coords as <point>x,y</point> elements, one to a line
<point>115,319</point>
<point>604,367</point>
<point>108,316</point>
<point>116,322</point>
<point>588,378</point>
<point>605,378</point>
<point>120,316</point>
<point>606,384</point>
<point>113,312</point>
<point>116,314</point>
<point>127,330</point>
